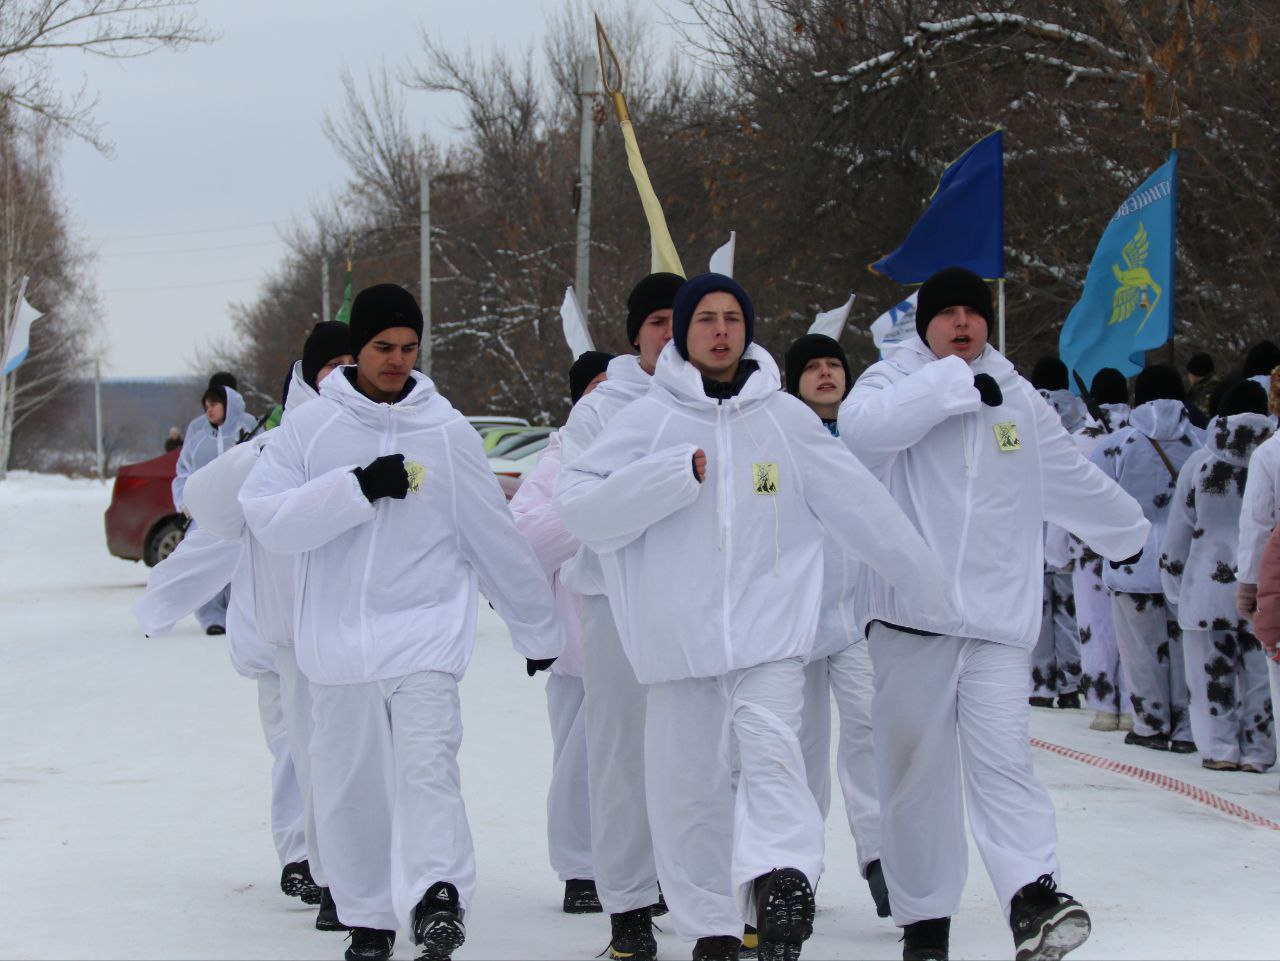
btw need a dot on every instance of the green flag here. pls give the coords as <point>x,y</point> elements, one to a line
<point>344,312</point>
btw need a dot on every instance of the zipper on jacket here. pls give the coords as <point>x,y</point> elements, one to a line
<point>725,456</point>
<point>388,437</point>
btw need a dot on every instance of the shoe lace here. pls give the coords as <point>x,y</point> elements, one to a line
<point>1045,889</point>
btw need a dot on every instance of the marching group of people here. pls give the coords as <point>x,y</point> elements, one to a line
<point>707,554</point>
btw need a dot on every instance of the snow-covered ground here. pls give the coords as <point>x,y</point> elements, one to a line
<point>134,790</point>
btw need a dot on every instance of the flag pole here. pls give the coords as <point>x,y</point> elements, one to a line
<point>1000,319</point>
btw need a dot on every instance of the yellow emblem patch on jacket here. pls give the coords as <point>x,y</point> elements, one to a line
<point>1007,437</point>
<point>764,478</point>
<point>417,474</point>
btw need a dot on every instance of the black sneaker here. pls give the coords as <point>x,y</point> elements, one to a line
<point>1157,742</point>
<point>437,922</point>
<point>296,881</point>
<point>1040,701</point>
<point>879,890</point>
<point>1069,702</point>
<point>1182,747</point>
<point>580,897</point>
<point>215,630</point>
<point>926,940</point>
<point>327,917</point>
<point>1046,923</point>
<point>750,942</point>
<point>784,914</point>
<point>370,944</point>
<point>721,948</point>
<point>632,938</point>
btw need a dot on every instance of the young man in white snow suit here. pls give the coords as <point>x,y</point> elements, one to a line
<point>1227,677</point>
<point>817,371</point>
<point>621,845</point>
<point>266,581</point>
<point>1259,512</point>
<point>979,462</point>
<point>1144,458</point>
<point>568,802</point>
<point>1101,679</point>
<point>207,437</point>
<point>707,502</point>
<point>384,490</point>
<point>1055,660</point>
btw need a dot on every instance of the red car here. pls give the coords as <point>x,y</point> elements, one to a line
<point>142,523</point>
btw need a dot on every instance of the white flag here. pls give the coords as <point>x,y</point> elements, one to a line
<point>831,322</point>
<point>722,259</point>
<point>576,334</point>
<point>895,324</point>
<point>24,315</point>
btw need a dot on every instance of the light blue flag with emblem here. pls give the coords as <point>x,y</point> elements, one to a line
<point>1126,308</point>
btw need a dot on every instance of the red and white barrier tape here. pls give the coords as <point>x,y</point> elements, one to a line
<point>1199,794</point>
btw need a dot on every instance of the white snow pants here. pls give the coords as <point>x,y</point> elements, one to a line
<point>950,720</point>
<point>288,817</point>
<point>711,845</point>
<point>295,698</point>
<point>214,611</point>
<point>1155,672</point>
<point>1230,694</point>
<point>621,845</point>
<point>1102,680</point>
<point>846,675</point>
<point>1055,660</point>
<point>388,795</point>
<point>568,803</point>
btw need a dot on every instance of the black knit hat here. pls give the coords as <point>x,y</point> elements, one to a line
<point>1246,397</point>
<point>589,365</point>
<point>325,342</point>
<point>1109,387</point>
<point>811,347</point>
<point>1049,373</point>
<point>953,287</point>
<point>691,294</point>
<point>655,292</point>
<point>1158,382</point>
<point>223,379</point>
<point>1200,364</point>
<point>380,308</point>
<point>1262,359</point>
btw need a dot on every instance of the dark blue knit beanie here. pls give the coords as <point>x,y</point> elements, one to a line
<point>688,298</point>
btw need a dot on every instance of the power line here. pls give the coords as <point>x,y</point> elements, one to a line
<point>193,250</point>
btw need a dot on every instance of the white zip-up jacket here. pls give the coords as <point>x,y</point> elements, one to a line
<point>625,383</point>
<point>1201,538</point>
<point>541,526</point>
<point>213,497</point>
<point>1128,458</point>
<point>1258,512</point>
<point>203,442</point>
<point>707,578</point>
<point>979,482</point>
<point>389,588</point>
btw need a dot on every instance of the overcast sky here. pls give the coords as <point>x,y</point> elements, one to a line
<point>220,146</point>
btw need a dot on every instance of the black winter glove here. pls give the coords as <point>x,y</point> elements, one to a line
<point>533,667</point>
<point>1127,562</point>
<point>385,477</point>
<point>989,389</point>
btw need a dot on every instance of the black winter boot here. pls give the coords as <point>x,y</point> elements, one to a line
<point>580,897</point>
<point>784,914</point>
<point>437,922</point>
<point>879,890</point>
<point>632,938</point>
<point>296,881</point>
<point>327,917</point>
<point>370,944</point>
<point>1046,923</point>
<point>926,940</point>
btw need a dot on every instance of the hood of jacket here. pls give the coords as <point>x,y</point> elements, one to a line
<point>684,381</point>
<point>1235,438</point>
<point>1069,408</point>
<point>1161,419</point>
<point>912,354</point>
<point>423,403</point>
<point>299,390</point>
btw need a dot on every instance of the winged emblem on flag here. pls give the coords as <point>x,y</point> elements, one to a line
<point>1135,281</point>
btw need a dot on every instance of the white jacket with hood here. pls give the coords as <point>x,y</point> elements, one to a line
<point>1258,513</point>
<point>979,482</point>
<point>203,442</point>
<point>1198,553</point>
<point>625,383</point>
<point>1128,457</point>
<point>387,589</point>
<point>707,578</point>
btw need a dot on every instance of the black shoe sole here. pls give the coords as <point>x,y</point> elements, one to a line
<point>439,935</point>
<point>784,917</point>
<point>298,887</point>
<point>1065,931</point>
<point>583,907</point>
<point>324,924</point>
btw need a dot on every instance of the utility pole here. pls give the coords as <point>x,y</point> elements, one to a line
<point>97,417</point>
<point>586,150</point>
<point>424,282</point>
<point>324,285</point>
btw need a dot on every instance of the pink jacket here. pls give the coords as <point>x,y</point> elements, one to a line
<point>1266,622</point>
